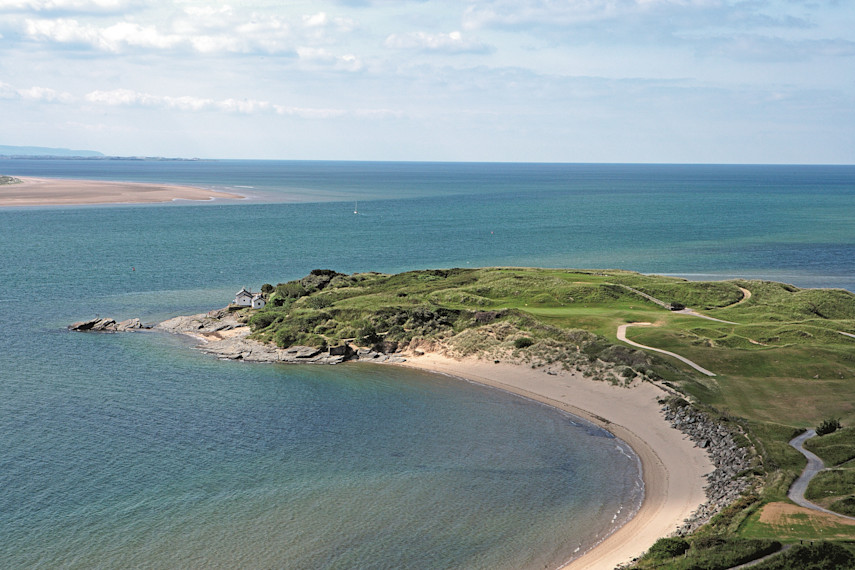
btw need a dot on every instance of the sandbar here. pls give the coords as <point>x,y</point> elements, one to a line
<point>673,467</point>
<point>65,192</point>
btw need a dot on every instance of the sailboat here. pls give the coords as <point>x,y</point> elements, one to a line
<point>355,207</point>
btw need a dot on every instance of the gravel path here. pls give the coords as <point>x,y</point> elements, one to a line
<point>797,491</point>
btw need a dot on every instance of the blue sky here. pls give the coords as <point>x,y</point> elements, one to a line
<point>698,81</point>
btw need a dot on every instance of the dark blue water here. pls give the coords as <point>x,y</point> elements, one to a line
<point>133,450</point>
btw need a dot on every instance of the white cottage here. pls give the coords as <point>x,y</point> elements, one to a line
<point>246,298</point>
<point>243,298</point>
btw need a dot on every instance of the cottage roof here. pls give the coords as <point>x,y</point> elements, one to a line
<point>243,291</point>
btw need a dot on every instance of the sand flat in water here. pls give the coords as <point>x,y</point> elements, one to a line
<point>61,192</point>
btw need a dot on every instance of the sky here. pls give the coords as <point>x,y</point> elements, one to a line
<point>661,81</point>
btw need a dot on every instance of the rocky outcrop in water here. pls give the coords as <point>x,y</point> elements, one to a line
<point>107,325</point>
<point>727,483</point>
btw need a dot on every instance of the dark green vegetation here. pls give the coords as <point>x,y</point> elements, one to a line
<point>828,426</point>
<point>819,556</point>
<point>781,362</point>
<point>705,553</point>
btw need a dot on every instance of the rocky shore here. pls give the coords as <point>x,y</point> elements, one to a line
<point>225,336</point>
<point>726,484</point>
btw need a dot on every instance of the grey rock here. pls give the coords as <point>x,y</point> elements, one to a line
<point>129,325</point>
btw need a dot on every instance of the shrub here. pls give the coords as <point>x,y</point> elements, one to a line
<point>665,548</point>
<point>367,336</point>
<point>523,342</point>
<point>290,290</point>
<point>262,320</point>
<point>284,338</point>
<point>828,426</point>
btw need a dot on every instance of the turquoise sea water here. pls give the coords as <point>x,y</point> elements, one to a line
<point>135,451</point>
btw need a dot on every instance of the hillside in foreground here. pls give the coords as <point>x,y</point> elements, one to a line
<point>778,360</point>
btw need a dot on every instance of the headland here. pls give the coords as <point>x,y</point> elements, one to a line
<point>709,417</point>
<point>674,468</point>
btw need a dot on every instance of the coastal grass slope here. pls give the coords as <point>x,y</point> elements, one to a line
<point>784,360</point>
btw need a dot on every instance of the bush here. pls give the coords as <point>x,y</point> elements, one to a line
<point>290,290</point>
<point>665,548</point>
<point>284,338</point>
<point>367,336</point>
<point>523,342</point>
<point>830,425</point>
<point>262,320</point>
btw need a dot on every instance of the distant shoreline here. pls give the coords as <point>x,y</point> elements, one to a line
<point>67,192</point>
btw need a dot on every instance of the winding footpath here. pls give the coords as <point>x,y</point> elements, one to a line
<point>797,491</point>
<point>621,335</point>
<point>621,332</point>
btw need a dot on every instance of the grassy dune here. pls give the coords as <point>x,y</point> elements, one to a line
<point>781,362</point>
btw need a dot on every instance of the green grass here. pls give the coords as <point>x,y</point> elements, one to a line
<point>835,448</point>
<point>831,485</point>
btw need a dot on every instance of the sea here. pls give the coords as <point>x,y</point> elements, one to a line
<point>137,451</point>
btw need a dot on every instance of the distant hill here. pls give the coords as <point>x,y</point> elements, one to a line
<point>45,151</point>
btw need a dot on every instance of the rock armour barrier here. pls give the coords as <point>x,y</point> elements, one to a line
<point>727,482</point>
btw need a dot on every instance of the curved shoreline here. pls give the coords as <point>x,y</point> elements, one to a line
<point>68,192</point>
<point>673,468</point>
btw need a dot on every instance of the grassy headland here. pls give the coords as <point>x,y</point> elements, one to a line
<point>780,360</point>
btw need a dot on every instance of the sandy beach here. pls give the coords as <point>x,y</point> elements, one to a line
<point>56,192</point>
<point>673,467</point>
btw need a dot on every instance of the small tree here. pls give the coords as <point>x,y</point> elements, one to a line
<point>828,426</point>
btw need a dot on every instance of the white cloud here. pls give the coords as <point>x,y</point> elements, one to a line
<point>81,6</point>
<point>131,98</point>
<point>195,29</point>
<point>653,17</point>
<point>318,20</point>
<point>308,113</point>
<point>452,42</point>
<point>46,94</point>
<point>7,91</point>
<point>114,38</point>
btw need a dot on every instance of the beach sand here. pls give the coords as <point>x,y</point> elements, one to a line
<point>56,192</point>
<point>673,467</point>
